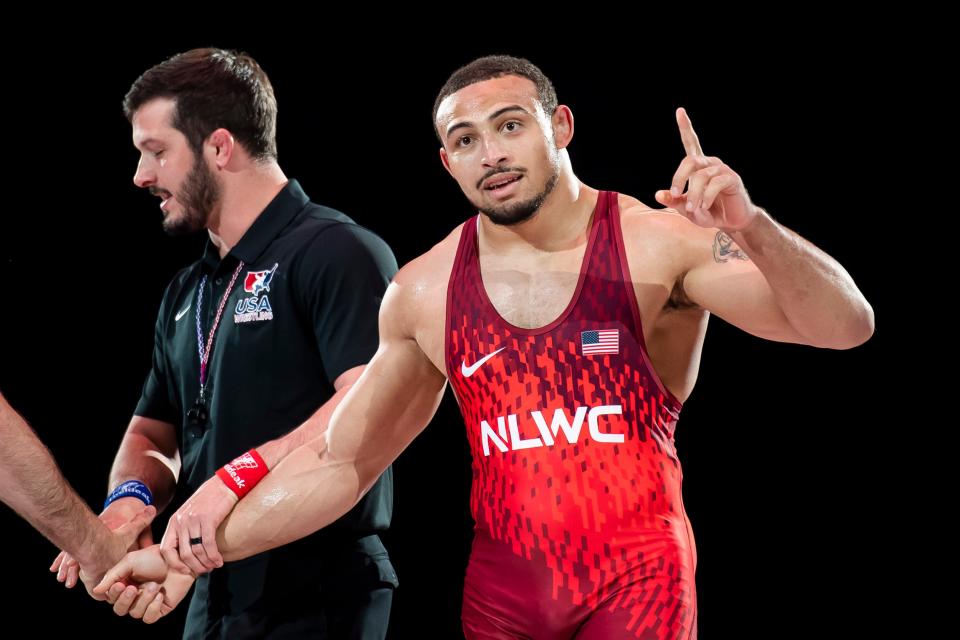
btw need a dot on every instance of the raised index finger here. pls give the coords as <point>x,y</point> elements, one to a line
<point>689,137</point>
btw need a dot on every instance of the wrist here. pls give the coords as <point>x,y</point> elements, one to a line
<point>130,489</point>
<point>243,473</point>
<point>756,222</point>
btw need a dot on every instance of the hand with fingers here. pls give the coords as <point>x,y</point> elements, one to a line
<point>143,587</point>
<point>125,537</point>
<point>190,541</point>
<point>715,196</point>
<point>117,515</point>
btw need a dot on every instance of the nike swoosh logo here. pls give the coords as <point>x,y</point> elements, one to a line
<point>469,371</point>
<point>182,312</point>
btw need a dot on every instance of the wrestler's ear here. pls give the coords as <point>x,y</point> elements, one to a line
<point>445,160</point>
<point>562,121</point>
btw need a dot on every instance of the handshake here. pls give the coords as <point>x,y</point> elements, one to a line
<point>147,580</point>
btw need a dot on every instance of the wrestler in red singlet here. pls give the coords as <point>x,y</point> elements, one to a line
<point>580,526</point>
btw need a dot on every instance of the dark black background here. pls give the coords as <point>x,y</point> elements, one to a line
<point>788,451</point>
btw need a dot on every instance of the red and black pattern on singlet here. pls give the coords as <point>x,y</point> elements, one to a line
<point>576,494</point>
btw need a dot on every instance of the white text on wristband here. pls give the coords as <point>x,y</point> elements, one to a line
<point>130,488</point>
<point>243,473</point>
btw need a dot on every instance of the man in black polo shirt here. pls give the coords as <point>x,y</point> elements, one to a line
<point>276,319</point>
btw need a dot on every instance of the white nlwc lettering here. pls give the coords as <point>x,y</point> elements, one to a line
<point>549,433</point>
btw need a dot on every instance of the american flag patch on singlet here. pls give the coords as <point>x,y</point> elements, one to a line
<point>600,341</point>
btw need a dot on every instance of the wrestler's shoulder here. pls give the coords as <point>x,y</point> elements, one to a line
<point>635,213</point>
<point>645,226</point>
<point>433,267</point>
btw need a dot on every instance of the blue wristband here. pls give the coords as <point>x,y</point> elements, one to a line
<point>130,488</point>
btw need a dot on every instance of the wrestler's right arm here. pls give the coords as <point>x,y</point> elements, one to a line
<point>385,410</point>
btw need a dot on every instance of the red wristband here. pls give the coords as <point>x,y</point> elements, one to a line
<point>243,473</point>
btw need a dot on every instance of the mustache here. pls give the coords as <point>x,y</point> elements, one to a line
<point>497,171</point>
<point>156,191</point>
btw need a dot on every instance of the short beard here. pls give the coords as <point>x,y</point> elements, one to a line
<point>517,212</point>
<point>198,195</point>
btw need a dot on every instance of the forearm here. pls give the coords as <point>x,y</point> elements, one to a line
<point>36,490</point>
<point>150,456</point>
<point>816,294</point>
<point>323,479</point>
<point>303,494</point>
<point>31,483</point>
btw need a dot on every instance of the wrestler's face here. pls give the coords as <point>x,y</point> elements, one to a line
<point>170,169</point>
<point>499,145</point>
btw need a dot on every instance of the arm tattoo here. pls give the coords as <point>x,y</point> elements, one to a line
<point>724,249</point>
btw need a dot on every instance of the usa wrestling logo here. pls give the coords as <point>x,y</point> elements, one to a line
<point>256,307</point>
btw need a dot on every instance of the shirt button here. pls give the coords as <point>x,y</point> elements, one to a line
<point>218,281</point>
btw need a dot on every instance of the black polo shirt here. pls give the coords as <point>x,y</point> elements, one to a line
<point>302,311</point>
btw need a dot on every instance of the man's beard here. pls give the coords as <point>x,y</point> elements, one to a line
<point>516,212</point>
<point>198,195</point>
